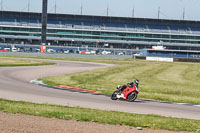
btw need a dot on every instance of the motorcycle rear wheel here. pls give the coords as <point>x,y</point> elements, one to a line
<point>131,97</point>
<point>114,95</point>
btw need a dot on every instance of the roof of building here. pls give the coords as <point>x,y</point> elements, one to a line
<point>101,19</point>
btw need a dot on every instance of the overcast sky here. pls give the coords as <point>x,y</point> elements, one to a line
<point>169,9</point>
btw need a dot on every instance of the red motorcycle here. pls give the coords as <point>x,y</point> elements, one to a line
<point>129,93</point>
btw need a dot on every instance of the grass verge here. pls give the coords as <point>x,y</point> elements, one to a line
<point>162,81</point>
<point>93,115</point>
<point>19,62</point>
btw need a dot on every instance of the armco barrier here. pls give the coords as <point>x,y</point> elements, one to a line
<point>186,60</point>
<point>140,57</point>
<point>174,59</point>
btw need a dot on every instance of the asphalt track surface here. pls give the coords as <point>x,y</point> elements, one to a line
<point>15,85</point>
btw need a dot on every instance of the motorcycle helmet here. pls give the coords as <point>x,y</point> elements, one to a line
<point>136,82</point>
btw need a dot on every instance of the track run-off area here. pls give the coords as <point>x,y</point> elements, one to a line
<point>15,85</point>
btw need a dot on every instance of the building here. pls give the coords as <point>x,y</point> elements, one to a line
<point>99,31</point>
<point>185,54</point>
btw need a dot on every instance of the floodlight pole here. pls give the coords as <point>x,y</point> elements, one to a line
<point>55,10</point>
<point>44,21</point>
<point>158,12</point>
<point>28,5</point>
<point>81,9</point>
<point>183,13</point>
<point>133,12</point>
<point>107,10</point>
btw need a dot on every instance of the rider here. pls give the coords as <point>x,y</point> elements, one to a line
<point>129,84</point>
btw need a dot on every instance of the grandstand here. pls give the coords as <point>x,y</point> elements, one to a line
<point>99,31</point>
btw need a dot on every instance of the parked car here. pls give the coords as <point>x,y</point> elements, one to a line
<point>51,51</point>
<point>66,52</point>
<point>121,53</point>
<point>105,52</point>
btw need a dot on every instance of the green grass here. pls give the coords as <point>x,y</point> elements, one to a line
<point>5,62</point>
<point>173,82</point>
<point>93,115</point>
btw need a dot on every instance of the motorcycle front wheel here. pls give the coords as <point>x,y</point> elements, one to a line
<point>132,96</point>
<point>114,95</point>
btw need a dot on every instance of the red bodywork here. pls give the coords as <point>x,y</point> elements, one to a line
<point>128,90</point>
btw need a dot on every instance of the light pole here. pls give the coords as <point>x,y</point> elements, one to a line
<point>44,21</point>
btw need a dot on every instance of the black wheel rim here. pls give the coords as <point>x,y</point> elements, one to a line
<point>114,95</point>
<point>132,96</point>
